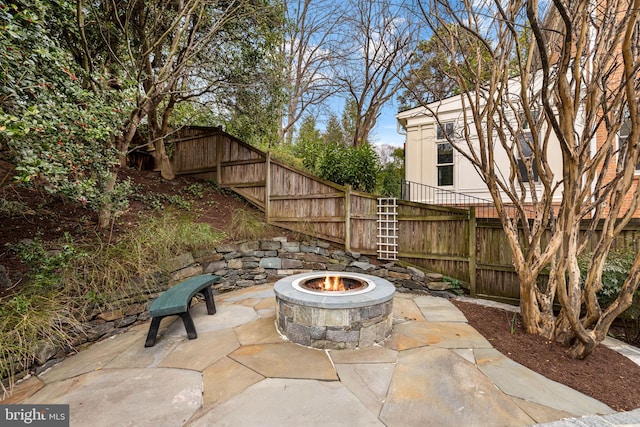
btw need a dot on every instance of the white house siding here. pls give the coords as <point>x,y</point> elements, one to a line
<point>421,152</point>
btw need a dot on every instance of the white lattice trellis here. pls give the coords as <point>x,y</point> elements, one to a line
<point>387,228</point>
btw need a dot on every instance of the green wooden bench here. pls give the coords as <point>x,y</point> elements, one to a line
<point>175,301</point>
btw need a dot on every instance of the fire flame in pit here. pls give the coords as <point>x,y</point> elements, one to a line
<point>337,283</point>
<point>330,283</point>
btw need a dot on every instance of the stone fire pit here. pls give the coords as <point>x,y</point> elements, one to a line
<point>359,316</point>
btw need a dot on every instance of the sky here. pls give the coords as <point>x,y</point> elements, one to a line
<point>386,130</point>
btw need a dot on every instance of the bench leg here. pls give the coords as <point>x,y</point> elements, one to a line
<point>208,298</point>
<point>153,332</point>
<point>188,325</point>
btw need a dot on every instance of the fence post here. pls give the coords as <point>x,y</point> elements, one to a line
<point>347,218</point>
<point>219,158</point>
<point>472,251</point>
<point>267,188</point>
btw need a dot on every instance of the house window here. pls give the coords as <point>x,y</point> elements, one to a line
<point>623,134</point>
<point>445,164</point>
<point>526,142</point>
<point>444,131</point>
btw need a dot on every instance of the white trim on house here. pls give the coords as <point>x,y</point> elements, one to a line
<point>421,142</point>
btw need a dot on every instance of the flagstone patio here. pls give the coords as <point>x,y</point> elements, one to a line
<point>434,370</point>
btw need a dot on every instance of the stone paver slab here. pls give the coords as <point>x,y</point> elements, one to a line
<point>286,402</point>
<point>373,354</point>
<point>541,413</point>
<point>224,379</point>
<point>249,302</point>
<point>368,382</point>
<point>226,317</point>
<point>439,334</point>
<point>404,295</point>
<point>200,353</point>
<point>623,348</point>
<point>404,309</point>
<point>127,397</point>
<point>266,304</point>
<point>22,390</point>
<point>260,291</point>
<point>262,331</point>
<point>267,313</point>
<point>517,380</point>
<point>286,360</point>
<point>94,357</point>
<point>437,309</point>
<point>466,354</point>
<point>435,387</point>
<point>139,356</point>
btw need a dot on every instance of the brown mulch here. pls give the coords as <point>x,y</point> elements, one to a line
<point>605,375</point>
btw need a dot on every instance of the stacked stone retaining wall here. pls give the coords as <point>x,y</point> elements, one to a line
<point>243,265</point>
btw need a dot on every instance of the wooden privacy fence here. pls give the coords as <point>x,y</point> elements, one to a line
<point>290,198</point>
<point>442,239</point>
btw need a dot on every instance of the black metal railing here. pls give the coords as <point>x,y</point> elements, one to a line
<point>422,193</point>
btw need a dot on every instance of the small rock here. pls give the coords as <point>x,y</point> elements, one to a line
<point>249,247</point>
<point>271,263</point>
<point>215,266</point>
<point>235,264</point>
<point>323,245</point>
<point>311,257</point>
<point>439,286</point>
<point>134,309</point>
<point>227,248</point>
<point>125,321</point>
<point>178,263</point>
<point>416,272</point>
<point>433,277</point>
<point>244,283</point>
<point>362,265</point>
<point>45,351</point>
<point>411,284</point>
<point>290,246</point>
<point>291,263</point>
<point>315,250</point>
<point>194,270</point>
<point>99,330</point>
<point>109,316</point>
<point>396,275</point>
<point>233,255</point>
<point>270,245</point>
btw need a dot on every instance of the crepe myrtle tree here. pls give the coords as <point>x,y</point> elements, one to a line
<point>575,91</point>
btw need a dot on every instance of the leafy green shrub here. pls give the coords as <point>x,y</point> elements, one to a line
<point>45,266</point>
<point>615,272</point>
<point>196,190</point>
<point>159,201</point>
<point>355,166</point>
<point>389,181</point>
<point>11,208</point>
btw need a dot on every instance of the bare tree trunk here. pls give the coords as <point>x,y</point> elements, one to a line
<point>106,210</point>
